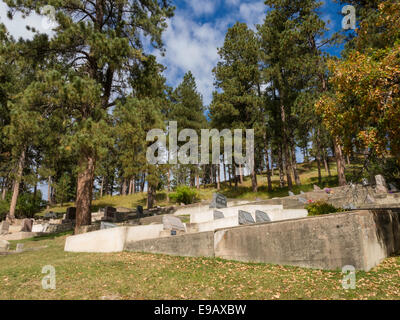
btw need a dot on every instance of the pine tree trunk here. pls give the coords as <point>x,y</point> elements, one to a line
<point>294,166</point>
<point>133,185</point>
<point>340,163</point>
<point>229,175</point>
<point>169,180</point>
<point>150,196</point>
<point>49,199</point>
<point>269,180</point>
<point>85,192</point>
<point>281,171</point>
<point>218,176</point>
<point>102,187</point>
<point>125,187</point>
<point>4,192</point>
<point>348,159</point>
<point>18,178</point>
<point>241,173</point>
<point>198,181</point>
<point>288,160</point>
<point>319,156</point>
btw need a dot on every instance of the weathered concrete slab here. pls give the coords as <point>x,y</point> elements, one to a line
<point>361,239</point>
<point>188,245</point>
<point>19,236</point>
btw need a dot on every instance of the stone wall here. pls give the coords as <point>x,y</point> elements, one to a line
<point>360,238</point>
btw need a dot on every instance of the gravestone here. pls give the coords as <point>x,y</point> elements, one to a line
<point>107,225</point>
<point>291,194</point>
<point>173,223</point>
<point>381,186</point>
<point>316,188</point>
<point>20,247</point>
<point>349,206</point>
<point>218,215</point>
<point>365,182</point>
<point>262,217</point>
<point>71,213</point>
<point>4,227</point>
<point>393,187</point>
<point>245,218</point>
<point>50,215</point>
<point>27,225</point>
<point>370,200</point>
<point>302,200</point>
<point>4,245</point>
<point>40,227</point>
<point>219,201</point>
<point>139,211</point>
<point>302,192</point>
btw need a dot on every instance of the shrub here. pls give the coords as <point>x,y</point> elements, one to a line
<point>320,208</point>
<point>4,207</point>
<point>184,195</point>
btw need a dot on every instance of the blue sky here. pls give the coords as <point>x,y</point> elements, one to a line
<point>194,34</point>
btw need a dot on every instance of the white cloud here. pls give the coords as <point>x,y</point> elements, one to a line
<point>17,25</point>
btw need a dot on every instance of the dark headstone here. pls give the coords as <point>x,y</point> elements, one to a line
<point>218,215</point>
<point>71,213</point>
<point>173,232</point>
<point>27,225</point>
<point>262,217</point>
<point>219,201</point>
<point>245,218</point>
<point>139,210</point>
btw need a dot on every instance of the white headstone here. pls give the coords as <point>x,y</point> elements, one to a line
<point>20,247</point>
<point>4,245</point>
<point>4,227</point>
<point>381,186</point>
<point>291,194</point>
<point>316,188</point>
<point>107,225</point>
<point>173,223</point>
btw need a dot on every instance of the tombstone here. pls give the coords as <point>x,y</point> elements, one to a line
<point>107,225</point>
<point>381,186</point>
<point>349,206</point>
<point>262,217</point>
<point>219,201</point>
<point>71,213</point>
<point>245,218</point>
<point>370,200</point>
<point>302,192</point>
<point>365,182</point>
<point>4,227</point>
<point>393,187</point>
<point>27,225</point>
<point>51,215</point>
<point>316,188</point>
<point>4,245</point>
<point>20,247</point>
<point>109,213</point>
<point>173,223</point>
<point>40,227</point>
<point>218,215</point>
<point>139,211</point>
<point>291,194</point>
<point>302,200</point>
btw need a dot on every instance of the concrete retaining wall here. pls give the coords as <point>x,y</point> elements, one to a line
<point>188,245</point>
<point>361,239</point>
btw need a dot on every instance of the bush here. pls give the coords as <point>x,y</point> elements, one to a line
<point>184,195</point>
<point>4,207</point>
<point>320,208</point>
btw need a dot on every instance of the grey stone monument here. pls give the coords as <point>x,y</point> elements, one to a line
<point>316,188</point>
<point>173,223</point>
<point>20,247</point>
<point>107,225</point>
<point>381,186</point>
<point>245,218</point>
<point>218,215</point>
<point>27,225</point>
<point>139,211</point>
<point>219,201</point>
<point>262,217</point>
<point>4,245</point>
<point>393,187</point>
<point>4,227</point>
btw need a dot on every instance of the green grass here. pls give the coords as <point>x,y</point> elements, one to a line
<point>147,276</point>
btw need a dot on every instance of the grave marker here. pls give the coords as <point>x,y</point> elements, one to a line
<point>245,218</point>
<point>4,227</point>
<point>173,223</point>
<point>71,213</point>
<point>316,188</point>
<point>107,225</point>
<point>291,194</point>
<point>262,217</point>
<point>219,201</point>
<point>139,211</point>
<point>27,225</point>
<point>381,186</point>
<point>393,187</point>
<point>218,215</point>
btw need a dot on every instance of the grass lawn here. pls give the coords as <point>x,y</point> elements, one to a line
<point>147,276</point>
